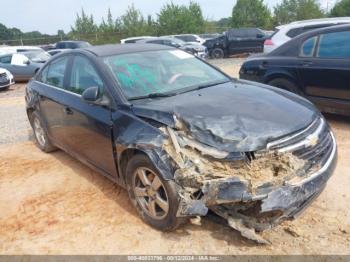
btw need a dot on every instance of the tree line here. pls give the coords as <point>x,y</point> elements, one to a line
<point>179,19</point>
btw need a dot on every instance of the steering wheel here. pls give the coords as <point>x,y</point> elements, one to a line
<point>174,78</point>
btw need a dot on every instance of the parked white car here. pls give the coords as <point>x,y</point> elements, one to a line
<point>189,38</point>
<point>284,33</point>
<point>134,39</point>
<point>6,79</point>
<point>4,50</point>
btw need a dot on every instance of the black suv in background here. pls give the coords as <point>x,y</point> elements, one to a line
<point>315,65</point>
<point>72,44</point>
<point>237,41</point>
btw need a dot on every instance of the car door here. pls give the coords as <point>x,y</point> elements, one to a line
<point>52,98</point>
<point>235,41</point>
<point>87,127</point>
<point>325,65</point>
<point>253,40</point>
<point>20,66</point>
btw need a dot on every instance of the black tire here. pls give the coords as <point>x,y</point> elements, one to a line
<point>217,53</point>
<point>4,88</point>
<point>44,144</point>
<point>286,85</point>
<point>169,221</point>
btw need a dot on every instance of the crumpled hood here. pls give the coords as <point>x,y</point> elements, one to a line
<point>235,117</point>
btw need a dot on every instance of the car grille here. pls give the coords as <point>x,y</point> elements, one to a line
<point>3,78</point>
<point>313,144</point>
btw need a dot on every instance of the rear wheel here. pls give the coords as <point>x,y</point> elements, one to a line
<point>286,85</point>
<point>217,53</point>
<point>155,199</point>
<point>40,134</point>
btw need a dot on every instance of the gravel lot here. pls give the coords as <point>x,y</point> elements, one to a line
<point>52,204</point>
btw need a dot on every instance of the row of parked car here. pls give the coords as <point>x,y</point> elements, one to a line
<point>21,63</point>
<point>240,40</point>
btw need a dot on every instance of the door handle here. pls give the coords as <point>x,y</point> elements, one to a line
<point>306,63</point>
<point>68,111</point>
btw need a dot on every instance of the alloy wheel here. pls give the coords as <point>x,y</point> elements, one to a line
<point>150,193</point>
<point>39,132</point>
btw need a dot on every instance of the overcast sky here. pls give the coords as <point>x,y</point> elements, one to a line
<point>48,16</point>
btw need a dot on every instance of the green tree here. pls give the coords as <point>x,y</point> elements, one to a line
<point>84,24</point>
<point>295,10</point>
<point>178,19</point>
<point>110,25</point>
<point>251,13</point>
<point>133,23</point>
<point>9,33</point>
<point>341,8</point>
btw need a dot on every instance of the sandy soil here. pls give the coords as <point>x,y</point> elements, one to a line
<point>52,204</point>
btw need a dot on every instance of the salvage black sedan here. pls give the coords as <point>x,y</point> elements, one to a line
<point>181,136</point>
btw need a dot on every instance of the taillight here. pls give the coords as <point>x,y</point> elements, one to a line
<point>268,42</point>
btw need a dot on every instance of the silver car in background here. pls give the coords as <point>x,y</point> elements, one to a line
<point>23,66</point>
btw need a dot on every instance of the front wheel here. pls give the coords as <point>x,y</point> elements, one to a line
<point>155,199</point>
<point>217,53</point>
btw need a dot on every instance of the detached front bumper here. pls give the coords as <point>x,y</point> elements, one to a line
<point>271,205</point>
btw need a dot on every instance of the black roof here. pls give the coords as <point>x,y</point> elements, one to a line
<point>108,50</point>
<point>72,41</point>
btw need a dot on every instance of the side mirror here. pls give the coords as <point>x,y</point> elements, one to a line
<point>91,94</point>
<point>26,62</point>
<point>259,35</point>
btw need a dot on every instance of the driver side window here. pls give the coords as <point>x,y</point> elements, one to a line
<point>83,76</point>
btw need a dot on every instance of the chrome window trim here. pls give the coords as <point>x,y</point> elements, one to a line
<point>59,88</point>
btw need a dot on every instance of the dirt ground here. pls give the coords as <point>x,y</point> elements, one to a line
<point>52,204</point>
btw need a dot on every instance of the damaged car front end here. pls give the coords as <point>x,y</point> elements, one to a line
<point>253,154</point>
<point>254,190</point>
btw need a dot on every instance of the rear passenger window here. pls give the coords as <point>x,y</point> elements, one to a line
<point>308,47</point>
<point>55,72</point>
<point>294,32</point>
<point>334,45</point>
<point>83,76</point>
<point>6,59</point>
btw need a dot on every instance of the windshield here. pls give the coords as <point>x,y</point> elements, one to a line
<point>166,72</point>
<point>38,56</point>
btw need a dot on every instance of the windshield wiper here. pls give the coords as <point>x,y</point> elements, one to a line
<point>152,95</point>
<point>209,85</point>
